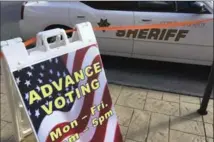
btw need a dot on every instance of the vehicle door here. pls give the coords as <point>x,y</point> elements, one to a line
<point>112,13</point>
<point>177,43</point>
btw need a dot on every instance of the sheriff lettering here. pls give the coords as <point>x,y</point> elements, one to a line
<point>154,34</point>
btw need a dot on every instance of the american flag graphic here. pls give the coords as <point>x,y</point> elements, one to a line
<point>33,77</point>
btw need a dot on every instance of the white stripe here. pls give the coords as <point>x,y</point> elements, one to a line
<point>111,128</point>
<point>59,117</point>
<point>98,96</point>
<point>88,59</point>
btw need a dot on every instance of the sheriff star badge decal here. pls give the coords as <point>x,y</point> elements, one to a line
<point>103,23</point>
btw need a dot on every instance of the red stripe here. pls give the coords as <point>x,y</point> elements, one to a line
<point>88,102</point>
<point>79,57</point>
<point>101,129</point>
<point>81,51</point>
<point>64,59</point>
<point>118,136</point>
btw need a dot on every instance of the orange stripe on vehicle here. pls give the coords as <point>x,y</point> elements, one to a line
<point>149,26</point>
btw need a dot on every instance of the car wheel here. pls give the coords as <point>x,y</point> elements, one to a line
<point>53,39</point>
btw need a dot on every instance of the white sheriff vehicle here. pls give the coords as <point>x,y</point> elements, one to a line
<point>192,44</point>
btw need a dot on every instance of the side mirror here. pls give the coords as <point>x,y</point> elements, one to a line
<point>197,7</point>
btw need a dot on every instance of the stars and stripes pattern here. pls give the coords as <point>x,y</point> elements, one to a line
<point>31,78</point>
<point>51,70</point>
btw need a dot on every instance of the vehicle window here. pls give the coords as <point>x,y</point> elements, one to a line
<point>112,5</point>
<point>147,6</point>
<point>191,7</point>
<point>156,6</point>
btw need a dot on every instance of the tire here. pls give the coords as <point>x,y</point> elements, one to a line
<point>53,39</point>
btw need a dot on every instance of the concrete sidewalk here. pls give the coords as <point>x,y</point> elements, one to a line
<point>144,116</point>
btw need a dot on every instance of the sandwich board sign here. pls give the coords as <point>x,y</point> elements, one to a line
<point>63,87</point>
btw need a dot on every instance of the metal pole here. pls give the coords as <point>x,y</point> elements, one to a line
<point>207,93</point>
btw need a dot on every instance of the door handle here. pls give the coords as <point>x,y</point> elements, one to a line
<point>80,16</point>
<point>146,20</point>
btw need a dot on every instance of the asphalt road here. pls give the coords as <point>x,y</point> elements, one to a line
<point>176,78</point>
